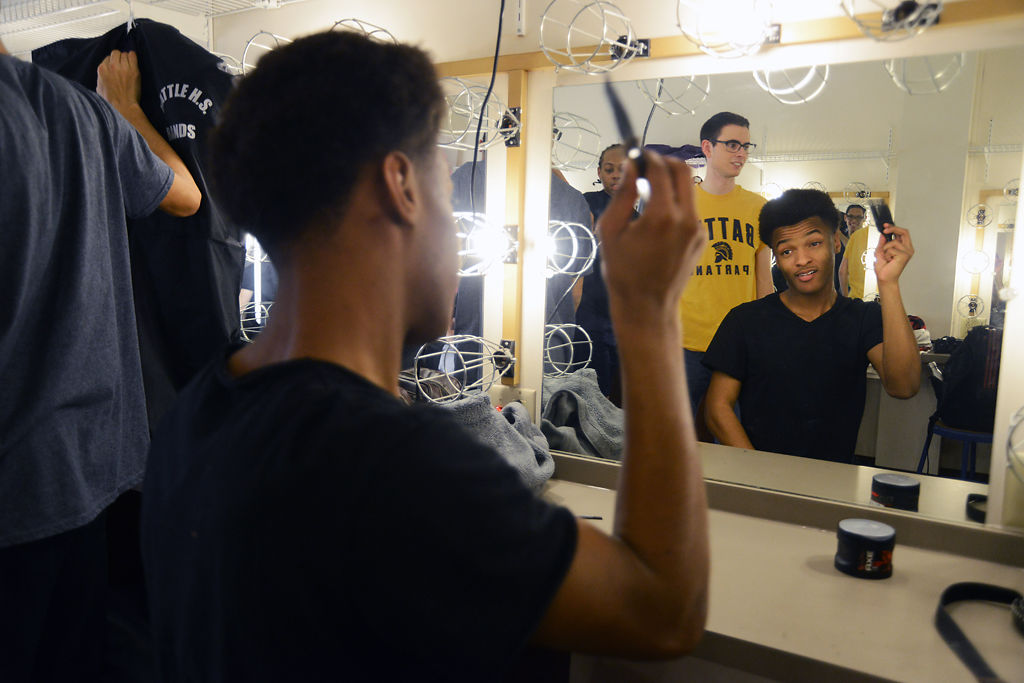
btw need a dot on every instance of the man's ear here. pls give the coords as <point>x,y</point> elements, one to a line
<point>400,195</point>
<point>705,146</point>
<point>837,242</point>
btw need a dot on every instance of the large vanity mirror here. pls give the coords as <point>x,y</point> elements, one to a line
<point>937,152</point>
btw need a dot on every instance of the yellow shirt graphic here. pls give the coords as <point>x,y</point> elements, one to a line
<point>855,249</point>
<point>724,276</point>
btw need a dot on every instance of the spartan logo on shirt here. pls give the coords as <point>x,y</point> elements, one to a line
<point>723,252</point>
<point>725,233</point>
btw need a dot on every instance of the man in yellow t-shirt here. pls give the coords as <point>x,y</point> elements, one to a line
<point>852,269</point>
<point>736,266</point>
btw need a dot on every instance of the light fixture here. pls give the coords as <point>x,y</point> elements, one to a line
<point>889,20</point>
<point>679,95</point>
<point>575,142</point>
<point>1011,190</point>
<point>567,348</point>
<point>771,191</point>
<point>790,86</point>
<point>928,75</point>
<point>970,306</point>
<point>589,37</point>
<point>464,109</point>
<point>371,31</point>
<point>856,190</point>
<point>974,262</point>
<point>570,248</point>
<point>979,215</point>
<point>725,28</point>
<point>815,185</point>
<point>463,364</point>
<point>481,245</point>
<point>259,45</point>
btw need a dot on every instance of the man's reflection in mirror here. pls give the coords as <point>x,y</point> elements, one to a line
<point>796,361</point>
<point>851,270</point>
<point>735,266</point>
<point>592,313</point>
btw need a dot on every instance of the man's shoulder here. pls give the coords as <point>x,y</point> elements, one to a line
<point>747,197</point>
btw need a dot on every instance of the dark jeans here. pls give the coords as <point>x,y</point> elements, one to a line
<point>52,606</point>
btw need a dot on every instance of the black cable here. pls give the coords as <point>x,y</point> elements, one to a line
<point>643,139</point>
<point>558,303</point>
<point>483,112</point>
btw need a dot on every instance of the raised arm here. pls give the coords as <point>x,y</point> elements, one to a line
<point>723,392</point>
<point>119,82</point>
<point>642,592</point>
<point>896,359</point>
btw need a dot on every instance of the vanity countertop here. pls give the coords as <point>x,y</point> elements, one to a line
<point>781,605</point>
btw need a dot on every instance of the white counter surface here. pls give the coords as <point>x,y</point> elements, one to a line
<point>773,585</point>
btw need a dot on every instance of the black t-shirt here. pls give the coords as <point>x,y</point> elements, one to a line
<point>301,524</point>
<point>803,382</point>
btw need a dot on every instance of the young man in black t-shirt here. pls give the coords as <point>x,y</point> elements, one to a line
<point>796,361</point>
<point>299,522</point>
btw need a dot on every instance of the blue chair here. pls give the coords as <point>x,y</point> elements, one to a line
<point>969,439</point>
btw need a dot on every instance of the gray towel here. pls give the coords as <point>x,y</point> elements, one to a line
<point>577,417</point>
<point>510,432</point>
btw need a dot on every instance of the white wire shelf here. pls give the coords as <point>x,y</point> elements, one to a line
<point>882,155</point>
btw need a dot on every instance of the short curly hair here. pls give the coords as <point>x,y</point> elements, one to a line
<point>297,131</point>
<point>794,206</point>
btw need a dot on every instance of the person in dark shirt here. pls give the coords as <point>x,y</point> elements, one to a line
<point>299,522</point>
<point>592,313</point>
<point>73,430</point>
<point>796,361</point>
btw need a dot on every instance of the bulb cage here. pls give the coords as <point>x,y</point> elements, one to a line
<point>676,96</point>
<point>467,364</point>
<point>928,75</point>
<point>886,21</point>
<point>588,37</point>
<point>789,86</point>
<point>725,28</point>
<point>575,142</point>
<point>572,248</point>
<point>465,106</point>
<point>567,348</point>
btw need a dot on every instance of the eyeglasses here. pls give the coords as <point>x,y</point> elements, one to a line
<point>735,145</point>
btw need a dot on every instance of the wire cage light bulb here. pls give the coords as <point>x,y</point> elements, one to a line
<point>567,348</point>
<point>459,365</point>
<point>815,185</point>
<point>970,306</point>
<point>979,216</point>
<point>570,248</point>
<point>771,191</point>
<point>1011,190</point>
<point>793,86</point>
<point>676,96</point>
<point>464,109</point>
<point>856,190</point>
<point>891,20</point>
<point>725,28</point>
<point>587,36</point>
<point>975,262</point>
<point>371,31</point>
<point>575,142</point>
<point>927,75</point>
<point>481,245</point>
<point>259,45</point>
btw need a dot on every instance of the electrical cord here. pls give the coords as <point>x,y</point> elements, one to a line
<point>483,111</point>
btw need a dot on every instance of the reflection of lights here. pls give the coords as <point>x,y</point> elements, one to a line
<point>568,248</point>
<point>970,306</point>
<point>867,259</point>
<point>979,215</point>
<point>1011,190</point>
<point>780,85</point>
<point>725,28</point>
<point>481,245</point>
<point>567,348</point>
<point>771,191</point>
<point>974,262</point>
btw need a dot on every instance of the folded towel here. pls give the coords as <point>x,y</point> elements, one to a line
<point>577,417</point>
<point>510,432</point>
